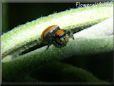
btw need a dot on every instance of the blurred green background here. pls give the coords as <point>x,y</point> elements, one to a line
<point>14,14</point>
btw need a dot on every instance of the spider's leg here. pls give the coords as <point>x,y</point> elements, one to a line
<point>48,46</point>
<point>71,35</point>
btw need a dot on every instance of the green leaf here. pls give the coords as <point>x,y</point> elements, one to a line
<point>61,71</point>
<point>84,45</point>
<point>29,34</point>
<point>96,39</point>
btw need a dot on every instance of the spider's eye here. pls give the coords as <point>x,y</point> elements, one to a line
<point>60,33</point>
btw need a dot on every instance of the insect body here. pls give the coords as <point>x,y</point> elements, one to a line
<point>56,36</point>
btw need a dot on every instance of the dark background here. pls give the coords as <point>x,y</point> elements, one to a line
<point>19,13</point>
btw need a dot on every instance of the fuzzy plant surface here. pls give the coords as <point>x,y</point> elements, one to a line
<point>92,28</point>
